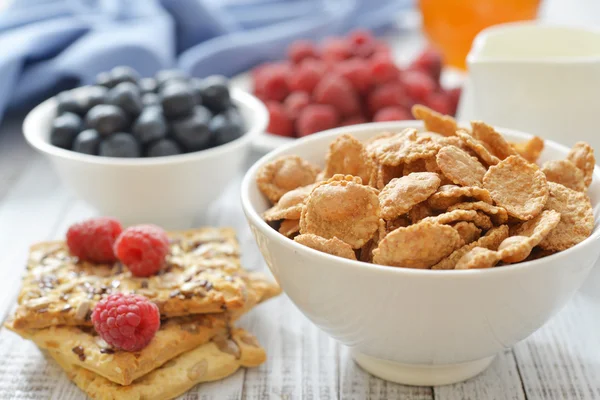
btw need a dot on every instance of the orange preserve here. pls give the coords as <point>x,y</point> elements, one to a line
<point>451,25</point>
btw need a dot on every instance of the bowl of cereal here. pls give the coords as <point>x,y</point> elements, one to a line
<point>427,251</point>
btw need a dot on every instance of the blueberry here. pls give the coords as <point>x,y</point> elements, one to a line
<point>92,96</point>
<point>197,87</point>
<point>67,102</point>
<point>148,85</point>
<point>163,147</point>
<point>120,145</point>
<point>105,79</point>
<point>177,100</point>
<point>64,129</point>
<point>215,93</point>
<point>127,96</point>
<point>193,131</point>
<point>124,73</point>
<point>227,126</point>
<point>170,76</point>
<point>87,142</point>
<point>150,125</point>
<point>150,99</point>
<point>106,119</point>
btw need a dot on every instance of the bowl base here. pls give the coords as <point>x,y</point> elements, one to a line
<point>419,374</point>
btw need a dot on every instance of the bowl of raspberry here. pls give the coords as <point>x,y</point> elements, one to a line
<point>156,150</point>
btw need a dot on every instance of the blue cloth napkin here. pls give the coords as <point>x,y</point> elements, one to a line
<point>49,45</point>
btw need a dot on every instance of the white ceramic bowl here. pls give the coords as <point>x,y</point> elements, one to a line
<point>419,327</point>
<point>168,191</point>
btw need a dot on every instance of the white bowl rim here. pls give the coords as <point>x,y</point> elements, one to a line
<point>35,139</point>
<point>272,234</point>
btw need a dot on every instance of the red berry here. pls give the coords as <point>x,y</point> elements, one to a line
<point>300,50</point>
<point>272,82</point>
<point>363,43</point>
<point>383,68</point>
<point>143,249</point>
<point>93,239</point>
<point>279,122</point>
<point>357,72</point>
<point>389,94</point>
<point>354,120</point>
<point>429,61</point>
<point>306,76</point>
<point>295,102</point>
<point>382,48</point>
<point>439,102</point>
<point>418,85</point>
<point>392,113</point>
<point>126,321</point>
<point>336,49</point>
<point>316,118</point>
<point>453,98</point>
<point>337,92</point>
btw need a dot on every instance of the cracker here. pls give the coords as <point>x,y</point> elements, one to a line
<point>498,215</point>
<point>417,246</point>
<point>530,149</point>
<point>434,121</point>
<point>491,240</point>
<point>492,140</point>
<point>404,148</point>
<point>402,194</point>
<point>518,186</point>
<point>479,219</point>
<point>342,208</point>
<point>582,155</point>
<point>289,227</point>
<point>576,218</point>
<point>458,166</point>
<point>386,142</point>
<point>348,156</point>
<point>477,258</point>
<point>449,195</point>
<point>566,173</point>
<point>333,246</point>
<point>289,205</point>
<point>283,174</point>
<point>468,231</point>
<point>478,148</point>
<point>210,362</point>
<point>202,275</point>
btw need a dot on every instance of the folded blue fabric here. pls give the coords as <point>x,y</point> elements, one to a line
<point>46,45</point>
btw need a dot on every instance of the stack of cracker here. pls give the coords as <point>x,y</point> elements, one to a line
<point>200,293</point>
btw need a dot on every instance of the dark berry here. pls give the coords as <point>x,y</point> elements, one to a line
<point>127,96</point>
<point>105,79</point>
<point>148,85</point>
<point>93,239</point>
<point>68,102</point>
<point>92,96</point>
<point>150,125</point>
<point>167,76</point>
<point>197,88</point>
<point>87,142</point>
<point>215,93</point>
<point>177,100</point>
<point>124,73</point>
<point>143,249</point>
<point>150,99</point>
<point>64,129</point>
<point>106,119</point>
<point>193,132</point>
<point>120,145</point>
<point>163,147</point>
<point>227,126</point>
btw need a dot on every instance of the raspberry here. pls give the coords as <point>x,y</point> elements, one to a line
<point>126,321</point>
<point>439,102</point>
<point>363,43</point>
<point>390,94</point>
<point>383,68</point>
<point>306,76</point>
<point>429,61</point>
<point>301,50</point>
<point>337,92</point>
<point>93,239</point>
<point>279,122</point>
<point>354,120</point>
<point>357,72</point>
<point>295,102</point>
<point>382,48</point>
<point>272,82</point>
<point>316,118</point>
<point>392,113</point>
<point>336,49</point>
<point>453,98</point>
<point>142,248</point>
<point>418,85</point>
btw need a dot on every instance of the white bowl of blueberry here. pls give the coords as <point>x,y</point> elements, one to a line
<point>148,149</point>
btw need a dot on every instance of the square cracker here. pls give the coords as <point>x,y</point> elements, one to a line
<point>209,362</point>
<point>202,275</point>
